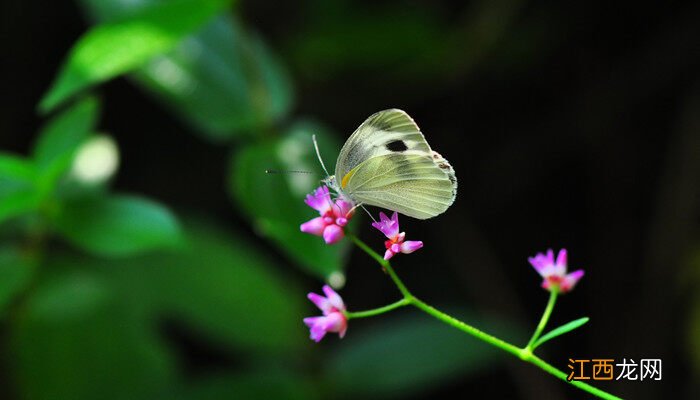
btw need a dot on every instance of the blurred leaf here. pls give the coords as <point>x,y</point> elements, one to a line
<point>76,342</point>
<point>404,355</point>
<point>223,80</point>
<point>220,285</point>
<point>263,385</point>
<point>60,139</point>
<point>568,327</point>
<point>112,49</point>
<point>15,273</point>
<point>117,225</point>
<point>65,132</point>
<point>18,193</point>
<point>67,296</point>
<point>275,202</point>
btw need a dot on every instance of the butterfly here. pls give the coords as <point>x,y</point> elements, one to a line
<point>388,163</point>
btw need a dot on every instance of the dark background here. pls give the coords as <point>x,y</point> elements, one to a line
<point>569,125</point>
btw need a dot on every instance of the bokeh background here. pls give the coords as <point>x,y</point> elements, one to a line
<point>167,264</point>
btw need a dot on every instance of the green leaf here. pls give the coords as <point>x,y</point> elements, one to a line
<point>275,202</point>
<point>75,341</point>
<point>60,139</point>
<point>402,356</point>
<point>223,80</point>
<point>117,225</point>
<point>221,286</point>
<point>18,194</point>
<point>65,132</point>
<point>112,49</point>
<point>560,331</point>
<point>16,270</point>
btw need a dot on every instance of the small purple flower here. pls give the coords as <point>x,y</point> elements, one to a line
<point>554,271</point>
<point>396,243</point>
<point>334,216</point>
<point>333,319</point>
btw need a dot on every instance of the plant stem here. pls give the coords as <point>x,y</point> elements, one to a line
<point>545,318</point>
<point>524,354</point>
<point>377,311</point>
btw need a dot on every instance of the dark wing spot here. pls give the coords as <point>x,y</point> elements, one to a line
<point>397,146</point>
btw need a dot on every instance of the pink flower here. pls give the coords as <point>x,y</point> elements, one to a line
<point>333,319</point>
<point>554,272</point>
<point>334,216</point>
<point>396,243</point>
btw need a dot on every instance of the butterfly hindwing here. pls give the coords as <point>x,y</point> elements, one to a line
<point>410,184</point>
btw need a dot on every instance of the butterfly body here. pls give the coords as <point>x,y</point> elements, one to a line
<point>388,163</point>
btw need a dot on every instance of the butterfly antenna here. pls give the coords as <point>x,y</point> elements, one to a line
<point>318,154</point>
<point>279,171</point>
<point>367,211</point>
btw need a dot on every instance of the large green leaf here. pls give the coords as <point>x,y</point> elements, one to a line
<point>75,341</point>
<point>16,270</point>
<point>219,285</point>
<point>18,194</point>
<point>275,202</point>
<point>115,48</point>
<point>222,79</point>
<point>60,139</point>
<point>404,355</point>
<point>117,225</point>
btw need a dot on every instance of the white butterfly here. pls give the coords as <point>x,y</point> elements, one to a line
<point>387,163</point>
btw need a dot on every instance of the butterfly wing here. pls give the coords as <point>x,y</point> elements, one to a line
<point>393,128</point>
<point>387,163</point>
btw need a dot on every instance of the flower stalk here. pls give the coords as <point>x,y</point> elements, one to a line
<point>526,353</point>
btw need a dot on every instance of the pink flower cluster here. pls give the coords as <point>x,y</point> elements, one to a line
<point>334,216</point>
<point>333,319</point>
<point>396,243</point>
<point>553,271</point>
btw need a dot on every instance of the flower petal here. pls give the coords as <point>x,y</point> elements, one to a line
<point>323,304</point>
<point>570,280</point>
<point>389,227</point>
<point>332,234</point>
<point>320,200</point>
<point>314,226</point>
<point>410,246</point>
<point>388,254</point>
<point>334,298</point>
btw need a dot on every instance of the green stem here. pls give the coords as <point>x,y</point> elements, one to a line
<point>545,318</point>
<point>377,311</point>
<point>524,354</point>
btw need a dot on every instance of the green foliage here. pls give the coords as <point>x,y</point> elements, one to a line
<point>75,340</point>
<point>117,225</point>
<point>112,49</point>
<point>568,327</point>
<point>60,139</point>
<point>275,201</point>
<point>223,80</point>
<point>402,355</point>
<point>18,194</point>
<point>16,270</point>
<point>220,285</point>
